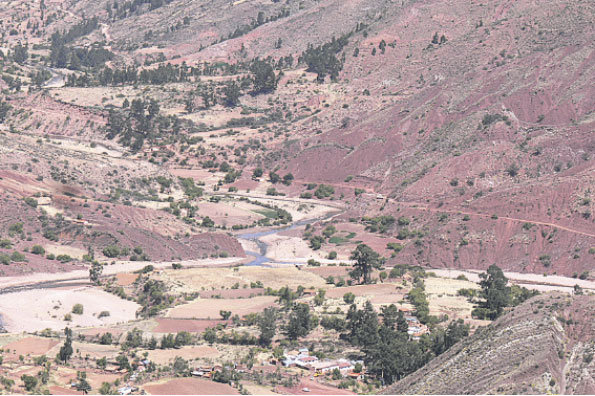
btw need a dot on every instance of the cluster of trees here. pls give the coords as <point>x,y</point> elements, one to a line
<point>163,74</point>
<point>140,122</point>
<point>323,60</point>
<point>264,79</point>
<point>380,224</point>
<point>260,20</point>
<point>496,294</point>
<point>20,53</point>
<point>388,352</point>
<point>121,10</point>
<point>64,56</point>
<point>153,298</point>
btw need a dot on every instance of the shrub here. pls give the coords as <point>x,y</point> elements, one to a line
<point>349,298</point>
<point>38,249</point>
<point>324,191</point>
<point>31,202</point>
<point>5,244</point>
<point>77,309</point>
<point>111,251</point>
<point>17,257</point>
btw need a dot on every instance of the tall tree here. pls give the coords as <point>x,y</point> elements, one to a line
<point>66,349</point>
<point>263,77</point>
<point>300,322</point>
<point>497,294</point>
<point>268,326</point>
<point>231,94</point>
<point>366,260</point>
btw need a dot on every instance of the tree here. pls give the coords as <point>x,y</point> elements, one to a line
<point>456,330</point>
<point>29,381</point>
<point>366,260</point>
<point>4,109</point>
<point>263,77</point>
<point>20,54</point>
<point>106,389</point>
<point>435,38</point>
<point>496,293</point>
<point>257,173</point>
<point>82,385</point>
<point>319,298</point>
<point>95,272</point>
<point>102,363</point>
<point>180,365</point>
<point>66,349</point>
<point>210,335</point>
<point>362,325</point>
<point>267,324</point>
<point>288,179</point>
<point>105,339</point>
<point>123,363</point>
<point>225,314</point>
<point>232,94</point>
<point>349,298</point>
<point>300,322</point>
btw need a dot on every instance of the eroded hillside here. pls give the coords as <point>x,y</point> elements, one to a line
<point>545,345</point>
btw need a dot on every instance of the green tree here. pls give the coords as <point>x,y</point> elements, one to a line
<point>123,363</point>
<point>496,293</point>
<point>82,385</point>
<point>106,389</point>
<point>225,314</point>
<point>66,350</point>
<point>4,109</point>
<point>102,363</point>
<point>257,173</point>
<point>95,272</point>
<point>366,260</point>
<point>232,94</point>
<point>29,381</point>
<point>362,325</point>
<point>20,54</point>
<point>263,77</point>
<point>300,322</point>
<point>349,298</point>
<point>267,325</point>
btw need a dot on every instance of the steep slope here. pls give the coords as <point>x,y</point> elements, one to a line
<point>544,345</point>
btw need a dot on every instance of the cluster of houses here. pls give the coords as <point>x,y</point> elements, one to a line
<point>415,328</point>
<point>301,358</point>
<point>206,371</point>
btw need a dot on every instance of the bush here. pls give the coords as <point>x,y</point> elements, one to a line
<point>5,244</point>
<point>324,191</point>
<point>38,249</point>
<point>31,202</point>
<point>77,309</point>
<point>111,251</point>
<point>349,298</point>
<point>17,257</point>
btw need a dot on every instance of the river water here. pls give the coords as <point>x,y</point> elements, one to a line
<point>260,258</point>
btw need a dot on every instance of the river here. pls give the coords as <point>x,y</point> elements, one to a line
<point>260,258</point>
